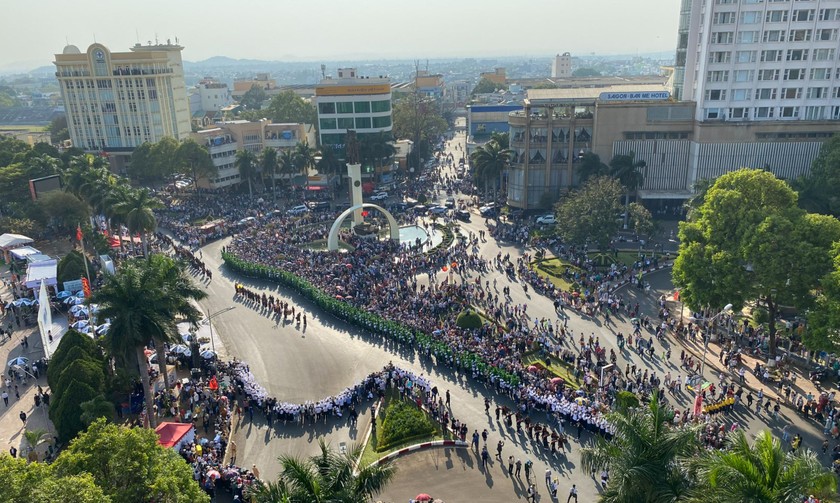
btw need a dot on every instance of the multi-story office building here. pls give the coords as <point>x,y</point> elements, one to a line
<point>561,66</point>
<point>760,60</point>
<point>116,101</point>
<point>429,85</point>
<point>351,102</point>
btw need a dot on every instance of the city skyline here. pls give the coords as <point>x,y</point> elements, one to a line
<point>436,29</point>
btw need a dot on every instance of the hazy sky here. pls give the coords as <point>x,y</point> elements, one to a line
<point>32,31</point>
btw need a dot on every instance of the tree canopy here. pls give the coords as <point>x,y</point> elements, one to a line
<point>419,119</point>
<point>289,107</point>
<point>819,191</point>
<point>750,241</point>
<point>22,481</point>
<point>487,86</point>
<point>589,213</point>
<point>253,98</point>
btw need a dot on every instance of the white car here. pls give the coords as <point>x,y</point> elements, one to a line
<point>379,196</point>
<point>437,210</point>
<point>298,210</point>
<point>547,220</point>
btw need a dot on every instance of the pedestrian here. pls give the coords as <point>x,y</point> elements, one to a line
<point>232,447</point>
<point>532,493</point>
<point>510,465</point>
<point>475,440</point>
<point>485,456</point>
<point>572,494</point>
<point>825,446</point>
<point>528,465</point>
<point>518,467</point>
<point>499,449</point>
<point>447,398</point>
<point>547,477</point>
<point>23,417</point>
<point>5,398</point>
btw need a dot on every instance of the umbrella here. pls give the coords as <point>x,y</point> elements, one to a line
<point>180,349</point>
<point>76,310</point>
<point>103,329</point>
<point>64,294</point>
<point>74,301</point>
<point>20,361</point>
<point>422,497</point>
<point>557,380</point>
<point>80,325</point>
<point>208,355</point>
<point>214,474</point>
<point>532,368</point>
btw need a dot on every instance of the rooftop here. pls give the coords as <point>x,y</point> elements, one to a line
<point>584,95</point>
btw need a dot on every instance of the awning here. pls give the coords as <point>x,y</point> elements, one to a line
<point>37,271</point>
<point>23,252</point>
<point>9,241</point>
<point>174,434</point>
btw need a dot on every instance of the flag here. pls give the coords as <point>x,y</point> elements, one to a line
<point>677,295</point>
<point>78,233</point>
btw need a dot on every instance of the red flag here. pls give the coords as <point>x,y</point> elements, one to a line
<point>677,295</point>
<point>78,233</point>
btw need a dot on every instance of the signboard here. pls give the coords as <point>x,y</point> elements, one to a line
<point>73,286</point>
<point>636,96</point>
<point>353,90</point>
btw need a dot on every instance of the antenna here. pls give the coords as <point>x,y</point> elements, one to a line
<point>137,34</point>
<point>94,38</point>
<point>323,71</point>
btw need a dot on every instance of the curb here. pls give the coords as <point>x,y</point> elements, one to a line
<point>417,447</point>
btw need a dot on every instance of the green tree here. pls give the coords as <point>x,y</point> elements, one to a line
<point>268,163</point>
<point>489,162</point>
<point>588,213</point>
<point>700,189</point>
<point>62,357</point>
<point>288,107</point>
<point>97,407</point>
<point>329,163</point>
<point>824,319</point>
<point>65,411</point>
<point>246,162</point>
<point>194,160</point>
<point>137,212</point>
<point>327,477</point>
<point>643,457</point>
<point>22,481</point>
<point>36,437</point>
<point>485,86</point>
<point>761,472</point>
<point>305,157</point>
<point>287,164</point>
<point>502,139</point>
<point>253,98</point>
<point>819,190</point>
<point>625,168</point>
<point>129,465</point>
<point>586,72</point>
<point>591,166</point>
<point>62,211</point>
<point>58,129</point>
<point>750,241</point>
<point>640,219</point>
<point>71,267</point>
<point>142,165</point>
<point>419,119</point>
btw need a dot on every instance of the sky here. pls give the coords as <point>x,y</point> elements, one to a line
<point>310,30</point>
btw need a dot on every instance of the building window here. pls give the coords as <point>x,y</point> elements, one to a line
<point>777,16</point>
<point>747,37</point>
<point>763,113</point>
<point>739,113</point>
<point>815,93</point>
<point>743,75</point>
<point>332,139</point>
<point>835,113</point>
<point>713,113</point>
<point>774,36</point>
<point>797,54</point>
<point>771,55</point>
<point>382,122</point>
<point>820,73</point>
<point>829,14</point>
<point>715,94</point>
<point>745,56</point>
<point>346,123</point>
<point>823,54</point>
<point>765,94</point>
<point>380,106</point>
<point>789,112</point>
<point>768,75</point>
<point>803,15</point>
<point>362,122</point>
<point>826,34</point>
<point>723,18</point>
<point>794,74</point>
<point>740,94</point>
<point>791,93</point>
<point>328,124</point>
<point>326,108</point>
<point>722,37</point>
<point>719,57</point>
<point>362,107</point>
<point>799,36</point>
<point>717,76</point>
<point>344,107</point>
<point>836,93</point>
<point>751,17</point>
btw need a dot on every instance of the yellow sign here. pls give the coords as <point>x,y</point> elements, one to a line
<point>353,90</point>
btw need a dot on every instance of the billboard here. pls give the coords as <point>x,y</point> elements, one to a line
<point>635,96</point>
<point>352,90</point>
<point>40,186</point>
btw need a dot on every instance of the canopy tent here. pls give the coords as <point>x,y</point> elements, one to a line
<point>37,271</point>
<point>37,257</point>
<point>175,434</point>
<point>24,252</point>
<point>10,241</point>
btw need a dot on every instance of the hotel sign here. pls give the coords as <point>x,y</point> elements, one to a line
<point>636,96</point>
<point>352,90</point>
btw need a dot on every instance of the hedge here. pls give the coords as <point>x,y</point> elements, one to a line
<point>368,320</point>
<point>468,319</point>
<point>402,421</point>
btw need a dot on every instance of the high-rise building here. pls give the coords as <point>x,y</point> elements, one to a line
<point>351,102</point>
<point>561,67</point>
<point>116,101</point>
<point>759,60</point>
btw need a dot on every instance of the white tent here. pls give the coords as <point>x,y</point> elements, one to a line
<point>37,271</point>
<point>10,241</point>
<point>24,252</point>
<point>45,318</point>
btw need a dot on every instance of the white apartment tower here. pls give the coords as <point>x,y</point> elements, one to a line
<point>561,66</point>
<point>759,60</point>
<point>115,101</point>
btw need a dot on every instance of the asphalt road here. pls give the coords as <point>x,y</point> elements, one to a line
<point>296,365</point>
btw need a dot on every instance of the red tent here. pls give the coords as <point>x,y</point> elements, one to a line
<point>173,434</point>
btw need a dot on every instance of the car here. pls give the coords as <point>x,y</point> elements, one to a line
<point>450,202</point>
<point>420,209</point>
<point>246,221</point>
<point>488,211</point>
<point>379,196</point>
<point>298,210</point>
<point>319,205</point>
<point>437,210</point>
<point>546,220</point>
<point>462,215</point>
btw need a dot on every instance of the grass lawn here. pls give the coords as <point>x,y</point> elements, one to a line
<point>627,257</point>
<point>557,368</point>
<point>554,270</point>
<point>370,454</point>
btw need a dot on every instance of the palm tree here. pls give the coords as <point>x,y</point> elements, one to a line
<point>36,437</point>
<point>761,472</point>
<point>138,213</point>
<point>113,210</point>
<point>287,164</point>
<point>329,162</point>
<point>489,161</point>
<point>176,293</point>
<point>305,157</point>
<point>327,477</point>
<point>129,302</point>
<point>590,167</point>
<point>643,456</point>
<point>246,162</point>
<point>268,161</point>
<point>625,168</point>
<point>701,187</point>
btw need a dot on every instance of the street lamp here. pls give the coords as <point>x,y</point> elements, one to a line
<point>210,324</point>
<point>698,399</point>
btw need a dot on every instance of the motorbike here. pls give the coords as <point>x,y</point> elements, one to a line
<point>819,374</point>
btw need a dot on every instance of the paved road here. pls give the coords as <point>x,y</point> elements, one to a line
<point>296,365</point>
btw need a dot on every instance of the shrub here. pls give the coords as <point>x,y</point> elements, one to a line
<point>468,319</point>
<point>403,421</point>
<point>625,400</point>
<point>66,412</point>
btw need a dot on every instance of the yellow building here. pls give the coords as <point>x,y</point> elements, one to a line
<point>115,101</point>
<point>497,76</point>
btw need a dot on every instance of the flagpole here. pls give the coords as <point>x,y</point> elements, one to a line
<point>84,258</point>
